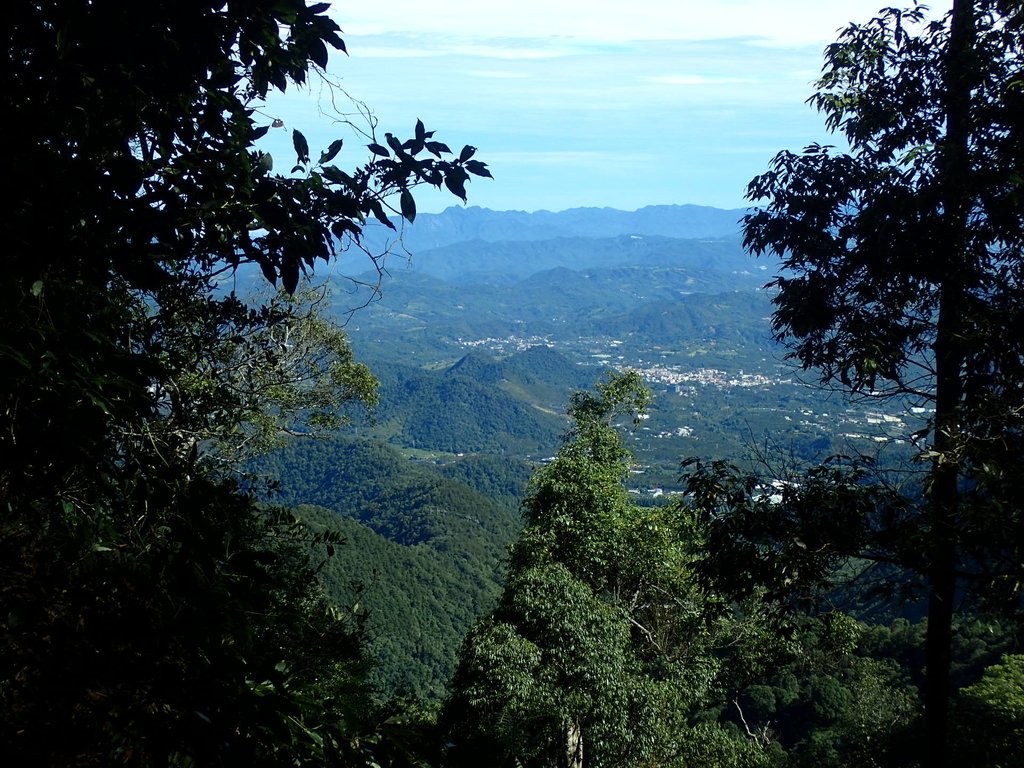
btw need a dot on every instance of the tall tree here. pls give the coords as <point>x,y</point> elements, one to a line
<point>151,613</point>
<point>599,649</point>
<point>903,276</point>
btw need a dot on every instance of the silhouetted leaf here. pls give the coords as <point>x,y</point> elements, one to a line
<point>318,53</point>
<point>301,146</point>
<point>332,151</point>
<point>290,275</point>
<point>337,42</point>
<point>269,272</point>
<point>408,205</point>
<point>438,148</point>
<point>331,173</point>
<point>478,169</point>
<point>455,181</point>
<point>378,213</point>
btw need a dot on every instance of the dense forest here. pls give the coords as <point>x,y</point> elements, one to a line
<point>581,490</point>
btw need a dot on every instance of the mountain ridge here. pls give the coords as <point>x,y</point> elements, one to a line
<point>458,224</point>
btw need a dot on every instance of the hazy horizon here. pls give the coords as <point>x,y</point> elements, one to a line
<point>581,104</point>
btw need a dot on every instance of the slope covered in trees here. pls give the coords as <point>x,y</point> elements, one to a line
<point>155,614</point>
<point>423,547</point>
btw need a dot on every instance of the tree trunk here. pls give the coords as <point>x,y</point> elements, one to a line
<point>944,493</point>
<point>943,500</point>
<point>573,745</point>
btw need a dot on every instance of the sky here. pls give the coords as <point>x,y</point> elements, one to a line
<point>583,102</point>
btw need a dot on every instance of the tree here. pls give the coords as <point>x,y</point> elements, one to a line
<point>258,372</point>
<point>902,276</point>
<point>152,613</point>
<point>990,717</point>
<point>599,649</point>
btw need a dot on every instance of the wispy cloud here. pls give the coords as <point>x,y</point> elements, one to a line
<point>495,74</point>
<point>789,22</point>
<point>510,51</point>
<point>407,46</point>
<point>376,51</point>
<point>698,80</point>
<point>566,158</point>
<point>595,102</point>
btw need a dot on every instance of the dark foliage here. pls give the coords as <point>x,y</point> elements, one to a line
<point>151,614</point>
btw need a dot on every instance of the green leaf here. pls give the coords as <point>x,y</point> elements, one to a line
<point>377,149</point>
<point>467,152</point>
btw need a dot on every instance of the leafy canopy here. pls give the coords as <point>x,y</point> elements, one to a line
<point>152,613</point>
<point>600,647</point>
<point>902,275</point>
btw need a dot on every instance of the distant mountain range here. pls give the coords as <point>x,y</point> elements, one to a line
<point>475,273</point>
<point>459,225</point>
<point>473,246</point>
<point>508,261</point>
<point>479,338</point>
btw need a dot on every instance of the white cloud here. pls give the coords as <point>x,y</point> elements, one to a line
<point>406,46</point>
<point>375,51</point>
<point>495,74</point>
<point>565,158</point>
<point>697,80</point>
<point>593,101</point>
<point>790,22</point>
<point>512,52</point>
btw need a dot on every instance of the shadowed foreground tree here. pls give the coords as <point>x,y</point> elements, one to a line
<point>903,277</point>
<point>990,717</point>
<point>150,613</point>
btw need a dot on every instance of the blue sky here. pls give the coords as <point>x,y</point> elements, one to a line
<point>584,102</point>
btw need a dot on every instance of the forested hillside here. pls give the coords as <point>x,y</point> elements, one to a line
<point>672,487</point>
<point>423,547</point>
